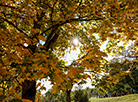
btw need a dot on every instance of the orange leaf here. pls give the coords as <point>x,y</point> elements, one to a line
<point>55,89</point>
<point>86,63</point>
<point>41,37</point>
<point>25,100</point>
<point>38,85</point>
<point>45,70</point>
<point>88,49</point>
<point>3,71</point>
<point>42,88</point>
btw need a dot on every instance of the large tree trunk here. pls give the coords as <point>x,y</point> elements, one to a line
<point>68,95</point>
<point>29,90</point>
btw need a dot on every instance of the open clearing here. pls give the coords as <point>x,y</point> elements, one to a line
<point>126,98</point>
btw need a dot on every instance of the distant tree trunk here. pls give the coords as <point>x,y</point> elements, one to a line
<point>29,90</point>
<point>68,95</point>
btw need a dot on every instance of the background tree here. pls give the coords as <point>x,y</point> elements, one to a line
<point>122,75</point>
<point>80,95</point>
<point>126,67</point>
<point>36,33</point>
<point>49,97</point>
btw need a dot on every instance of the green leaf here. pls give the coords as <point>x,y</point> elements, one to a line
<point>16,100</point>
<point>2,97</point>
<point>2,26</point>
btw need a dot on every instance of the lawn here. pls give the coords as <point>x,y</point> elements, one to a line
<point>126,98</point>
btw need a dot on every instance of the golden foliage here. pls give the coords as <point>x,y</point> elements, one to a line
<point>25,100</point>
<point>35,34</point>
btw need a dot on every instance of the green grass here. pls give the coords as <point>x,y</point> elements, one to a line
<point>126,98</point>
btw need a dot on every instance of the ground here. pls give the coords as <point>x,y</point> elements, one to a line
<point>126,98</point>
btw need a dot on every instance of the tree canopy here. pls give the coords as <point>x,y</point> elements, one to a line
<point>35,35</point>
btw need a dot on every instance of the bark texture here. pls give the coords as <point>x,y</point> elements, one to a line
<point>29,90</point>
<point>68,95</point>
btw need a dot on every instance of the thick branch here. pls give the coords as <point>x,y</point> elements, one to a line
<point>55,27</point>
<point>69,21</point>
<point>62,23</point>
<point>50,38</point>
<point>52,41</point>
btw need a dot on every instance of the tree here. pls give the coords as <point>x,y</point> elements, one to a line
<point>36,33</point>
<point>122,75</point>
<point>126,67</point>
<point>49,97</point>
<point>80,95</point>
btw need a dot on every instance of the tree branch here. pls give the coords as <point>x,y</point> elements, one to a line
<point>60,24</point>
<point>52,11</point>
<point>69,21</point>
<point>49,38</point>
<point>14,25</point>
<point>52,41</point>
<point>78,59</point>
